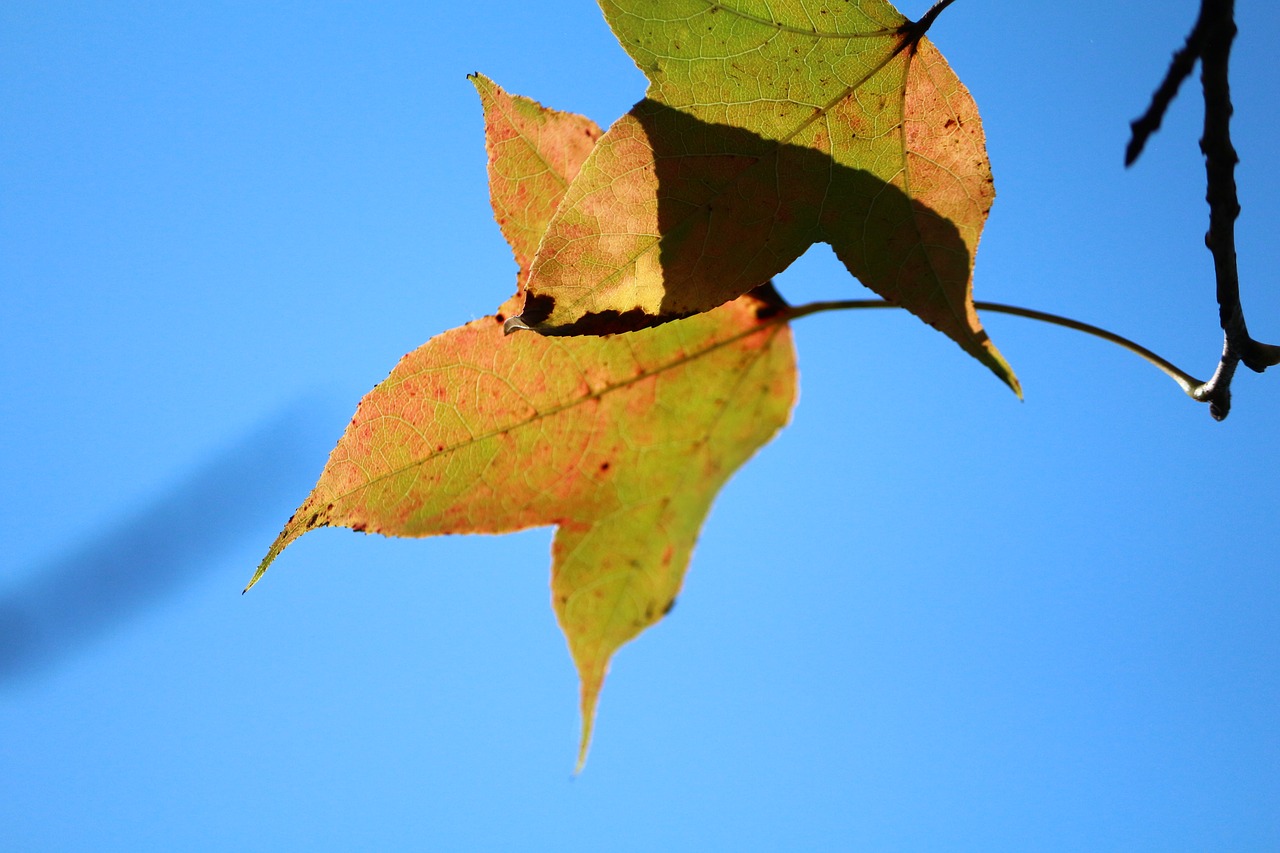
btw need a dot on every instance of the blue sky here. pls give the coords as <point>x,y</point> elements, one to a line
<point>928,616</point>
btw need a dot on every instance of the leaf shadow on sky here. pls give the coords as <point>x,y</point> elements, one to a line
<point>81,597</point>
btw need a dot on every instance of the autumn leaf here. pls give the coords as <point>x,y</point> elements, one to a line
<point>621,442</point>
<point>534,152</point>
<point>768,127</point>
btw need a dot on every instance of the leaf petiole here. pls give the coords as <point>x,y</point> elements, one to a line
<point>1188,383</point>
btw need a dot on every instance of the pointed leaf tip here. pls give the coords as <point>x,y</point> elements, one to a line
<point>583,748</point>
<point>282,541</point>
<point>276,547</point>
<point>534,153</point>
<point>592,680</point>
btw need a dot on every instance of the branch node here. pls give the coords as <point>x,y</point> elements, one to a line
<point>1210,43</point>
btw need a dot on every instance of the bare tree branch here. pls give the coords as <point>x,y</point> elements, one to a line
<point>1210,42</point>
<point>1179,69</point>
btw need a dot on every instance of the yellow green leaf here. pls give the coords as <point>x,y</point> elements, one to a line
<point>767,127</point>
<point>621,443</point>
<point>534,152</point>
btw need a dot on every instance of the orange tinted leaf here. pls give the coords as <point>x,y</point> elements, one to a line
<point>622,443</point>
<point>767,128</point>
<point>534,152</point>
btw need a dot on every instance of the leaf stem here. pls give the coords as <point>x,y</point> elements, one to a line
<point>1188,383</point>
<point>917,29</point>
<point>933,13</point>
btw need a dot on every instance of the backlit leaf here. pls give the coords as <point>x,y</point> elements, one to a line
<point>767,127</point>
<point>621,442</point>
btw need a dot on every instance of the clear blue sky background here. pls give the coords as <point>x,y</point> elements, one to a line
<point>926,617</point>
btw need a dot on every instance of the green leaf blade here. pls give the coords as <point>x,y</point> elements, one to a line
<point>763,134</point>
<point>621,443</point>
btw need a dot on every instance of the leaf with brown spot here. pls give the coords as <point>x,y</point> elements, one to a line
<point>768,127</point>
<point>622,443</point>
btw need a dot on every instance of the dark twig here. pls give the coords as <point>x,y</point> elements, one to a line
<point>929,17</point>
<point>1210,42</point>
<point>1220,159</point>
<point>1179,69</point>
<point>915,30</point>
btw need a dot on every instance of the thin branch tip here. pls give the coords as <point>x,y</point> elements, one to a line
<point>1180,68</point>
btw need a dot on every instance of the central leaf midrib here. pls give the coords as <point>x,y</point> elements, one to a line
<point>764,325</point>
